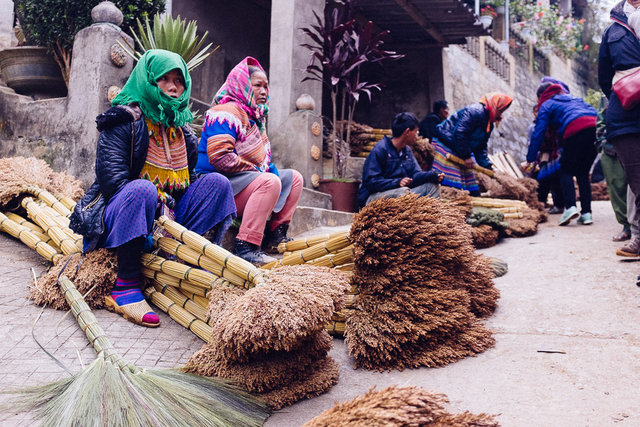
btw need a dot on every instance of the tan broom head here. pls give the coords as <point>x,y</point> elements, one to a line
<point>28,237</point>
<point>220,255</point>
<point>332,245</point>
<point>299,244</point>
<point>194,257</point>
<point>179,314</point>
<point>35,229</point>
<point>165,279</point>
<point>194,275</point>
<point>183,301</point>
<point>49,199</point>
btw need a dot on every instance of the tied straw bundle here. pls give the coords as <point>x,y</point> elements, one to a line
<point>113,392</point>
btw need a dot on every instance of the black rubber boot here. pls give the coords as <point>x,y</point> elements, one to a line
<point>250,252</point>
<point>273,238</point>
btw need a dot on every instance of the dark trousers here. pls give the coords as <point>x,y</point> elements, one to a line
<point>552,184</point>
<point>628,149</point>
<point>578,154</point>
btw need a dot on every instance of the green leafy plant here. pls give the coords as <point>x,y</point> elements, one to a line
<point>172,34</point>
<point>54,24</point>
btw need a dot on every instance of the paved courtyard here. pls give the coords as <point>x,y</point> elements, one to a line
<point>566,292</point>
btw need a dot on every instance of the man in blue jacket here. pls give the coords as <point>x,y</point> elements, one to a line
<point>391,170</point>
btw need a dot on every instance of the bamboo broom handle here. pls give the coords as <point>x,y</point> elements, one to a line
<point>90,326</point>
<point>192,256</point>
<point>68,202</point>
<point>198,277</point>
<point>343,256</point>
<point>25,235</point>
<point>183,301</point>
<point>477,168</point>
<point>309,254</point>
<point>68,244</point>
<point>49,199</point>
<point>165,279</point>
<point>335,328</point>
<point>179,314</point>
<point>300,244</point>
<point>513,215</point>
<point>33,228</point>
<point>220,255</point>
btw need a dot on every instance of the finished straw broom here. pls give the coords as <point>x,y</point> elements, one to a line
<point>113,392</point>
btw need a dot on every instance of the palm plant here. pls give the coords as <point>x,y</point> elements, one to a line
<point>175,35</point>
<point>339,47</point>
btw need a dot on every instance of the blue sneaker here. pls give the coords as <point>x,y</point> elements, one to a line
<point>585,219</point>
<point>568,215</point>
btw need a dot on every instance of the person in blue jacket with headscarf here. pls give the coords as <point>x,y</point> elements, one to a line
<point>575,121</point>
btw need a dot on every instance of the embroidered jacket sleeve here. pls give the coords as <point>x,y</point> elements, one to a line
<point>223,130</point>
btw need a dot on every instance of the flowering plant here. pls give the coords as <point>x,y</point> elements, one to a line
<point>545,27</point>
<point>488,11</point>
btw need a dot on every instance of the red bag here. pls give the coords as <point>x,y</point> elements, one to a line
<point>627,90</point>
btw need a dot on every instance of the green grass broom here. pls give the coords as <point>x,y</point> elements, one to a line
<point>113,392</point>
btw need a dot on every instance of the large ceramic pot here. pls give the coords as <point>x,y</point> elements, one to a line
<point>344,195</point>
<point>30,70</point>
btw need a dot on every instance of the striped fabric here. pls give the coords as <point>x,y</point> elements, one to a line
<point>236,143</point>
<point>454,175</point>
<point>166,165</point>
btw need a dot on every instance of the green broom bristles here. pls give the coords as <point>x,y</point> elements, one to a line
<point>112,392</point>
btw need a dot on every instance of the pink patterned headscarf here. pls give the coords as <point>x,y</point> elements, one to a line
<point>237,88</point>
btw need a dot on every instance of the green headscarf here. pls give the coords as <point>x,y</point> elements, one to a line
<point>142,89</point>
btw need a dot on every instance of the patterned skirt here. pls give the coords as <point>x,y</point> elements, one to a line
<point>454,175</point>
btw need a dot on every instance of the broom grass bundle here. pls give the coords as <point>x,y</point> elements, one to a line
<point>300,244</point>
<point>93,274</point>
<point>194,257</point>
<point>181,315</point>
<point>49,199</point>
<point>17,173</point>
<point>113,392</point>
<point>201,301</point>
<point>61,220</point>
<point>24,222</point>
<point>398,406</point>
<point>29,238</point>
<point>487,202</point>
<point>421,286</point>
<point>237,265</point>
<point>457,160</point>
<point>484,236</point>
<point>67,202</point>
<point>321,249</point>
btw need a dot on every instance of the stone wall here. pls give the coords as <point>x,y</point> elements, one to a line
<point>62,131</point>
<point>467,79</point>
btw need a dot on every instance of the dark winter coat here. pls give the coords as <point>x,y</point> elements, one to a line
<point>428,125</point>
<point>465,133</point>
<point>385,167</point>
<point>556,113</point>
<point>620,50</point>
<point>121,154</point>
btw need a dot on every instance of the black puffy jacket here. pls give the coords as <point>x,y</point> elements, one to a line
<point>120,156</point>
<point>620,50</point>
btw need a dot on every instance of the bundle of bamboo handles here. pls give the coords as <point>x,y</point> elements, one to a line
<point>512,209</point>
<point>457,160</point>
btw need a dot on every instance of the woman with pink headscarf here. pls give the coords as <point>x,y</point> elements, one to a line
<point>234,142</point>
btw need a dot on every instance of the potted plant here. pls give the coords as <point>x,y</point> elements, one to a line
<point>52,25</point>
<point>339,47</point>
<point>487,14</point>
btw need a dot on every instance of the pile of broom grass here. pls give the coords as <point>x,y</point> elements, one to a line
<point>398,406</point>
<point>422,288</point>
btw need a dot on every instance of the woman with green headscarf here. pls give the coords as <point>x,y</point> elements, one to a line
<point>145,159</point>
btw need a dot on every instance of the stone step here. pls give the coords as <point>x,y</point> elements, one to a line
<point>314,199</point>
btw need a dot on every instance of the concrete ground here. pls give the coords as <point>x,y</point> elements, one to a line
<point>567,352</point>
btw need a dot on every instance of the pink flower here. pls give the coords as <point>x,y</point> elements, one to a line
<point>586,47</point>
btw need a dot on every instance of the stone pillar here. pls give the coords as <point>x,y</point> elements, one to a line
<point>288,60</point>
<point>98,63</point>
<point>297,142</point>
<point>6,23</point>
<point>564,7</point>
